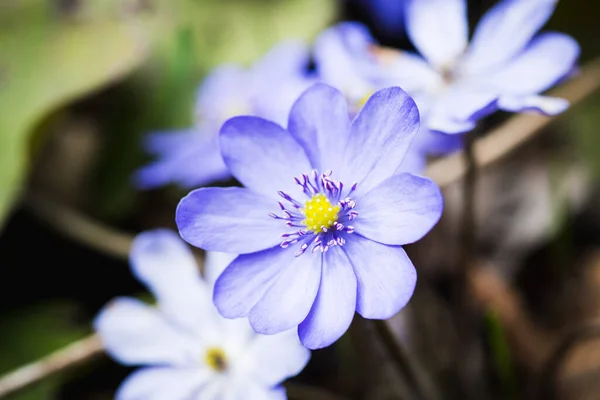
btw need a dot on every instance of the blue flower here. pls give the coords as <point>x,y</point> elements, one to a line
<point>191,157</point>
<point>455,83</point>
<point>321,220</point>
<point>387,14</point>
<point>188,350</point>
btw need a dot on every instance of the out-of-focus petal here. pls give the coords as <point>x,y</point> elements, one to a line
<point>160,383</point>
<point>504,31</point>
<point>549,58</point>
<point>279,78</point>
<point>163,262</point>
<point>244,388</point>
<point>438,28</point>
<point>134,334</point>
<point>270,359</point>
<point>401,68</point>
<point>228,219</point>
<point>215,263</point>
<point>458,110</point>
<point>388,15</point>
<point>543,104</point>
<point>224,93</point>
<point>340,53</point>
<point>189,159</point>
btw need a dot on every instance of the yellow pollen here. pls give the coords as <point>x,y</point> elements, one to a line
<point>319,213</point>
<point>361,103</point>
<point>215,358</point>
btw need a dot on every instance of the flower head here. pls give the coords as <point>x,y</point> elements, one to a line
<point>188,350</point>
<point>455,83</point>
<point>321,220</point>
<point>191,157</point>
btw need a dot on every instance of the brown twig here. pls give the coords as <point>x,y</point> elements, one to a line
<point>531,345</point>
<point>80,228</point>
<point>547,388</point>
<point>405,363</point>
<point>74,354</point>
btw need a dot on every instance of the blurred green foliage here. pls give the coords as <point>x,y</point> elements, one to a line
<point>52,52</point>
<point>501,354</point>
<point>33,332</point>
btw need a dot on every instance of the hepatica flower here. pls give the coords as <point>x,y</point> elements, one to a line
<point>191,157</point>
<point>321,220</point>
<point>188,350</point>
<point>454,83</point>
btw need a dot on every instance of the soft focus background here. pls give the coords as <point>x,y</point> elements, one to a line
<point>81,81</point>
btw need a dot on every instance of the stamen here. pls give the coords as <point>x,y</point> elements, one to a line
<point>324,213</point>
<point>216,359</point>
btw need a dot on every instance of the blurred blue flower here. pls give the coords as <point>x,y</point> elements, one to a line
<point>191,157</point>
<point>387,14</point>
<point>321,220</point>
<point>454,84</point>
<point>187,348</point>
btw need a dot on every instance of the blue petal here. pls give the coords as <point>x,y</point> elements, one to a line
<point>438,29</point>
<point>289,298</point>
<point>541,104</point>
<point>242,387</point>
<point>233,220</point>
<point>387,14</point>
<point>162,383</point>
<point>319,121</point>
<point>224,93</point>
<point>333,310</point>
<point>189,159</point>
<point>273,358</point>
<point>436,143</point>
<point>407,70</point>
<point>547,60</point>
<point>164,263</point>
<point>385,274</point>
<point>504,31</point>
<point>341,53</point>
<point>164,143</point>
<point>286,59</point>
<point>246,279</point>
<point>379,138</point>
<point>460,107</point>
<point>215,263</point>
<point>415,161</point>
<point>279,78</point>
<point>262,155</point>
<point>401,210</point>
<point>134,333</point>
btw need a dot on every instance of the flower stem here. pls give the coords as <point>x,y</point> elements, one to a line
<point>405,363</point>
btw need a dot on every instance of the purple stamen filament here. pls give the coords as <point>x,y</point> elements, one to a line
<point>323,217</point>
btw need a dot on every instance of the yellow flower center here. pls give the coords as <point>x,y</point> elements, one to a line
<point>216,359</point>
<point>319,213</point>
